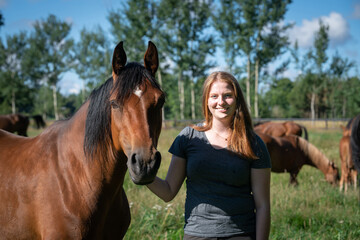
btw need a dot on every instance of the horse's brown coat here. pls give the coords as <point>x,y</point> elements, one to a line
<point>51,188</point>
<point>290,153</point>
<point>281,129</point>
<point>348,171</point>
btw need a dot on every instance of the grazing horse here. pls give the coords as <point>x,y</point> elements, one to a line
<point>14,123</point>
<point>290,153</point>
<point>66,183</point>
<point>281,129</point>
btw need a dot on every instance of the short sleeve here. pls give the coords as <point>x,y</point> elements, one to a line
<point>261,151</point>
<point>179,145</point>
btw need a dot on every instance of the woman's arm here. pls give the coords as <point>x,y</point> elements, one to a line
<point>168,188</point>
<point>260,182</point>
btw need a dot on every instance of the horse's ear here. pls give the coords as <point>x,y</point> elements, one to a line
<point>342,127</point>
<point>151,60</point>
<point>119,58</point>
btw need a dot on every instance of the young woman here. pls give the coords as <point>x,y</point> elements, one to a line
<point>226,166</point>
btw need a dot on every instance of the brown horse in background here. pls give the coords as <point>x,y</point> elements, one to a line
<point>281,129</point>
<point>290,153</point>
<point>15,123</point>
<point>348,171</point>
<point>19,123</point>
<point>66,183</point>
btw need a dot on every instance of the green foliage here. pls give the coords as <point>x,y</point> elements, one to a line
<point>49,53</point>
<point>92,58</point>
<point>135,24</point>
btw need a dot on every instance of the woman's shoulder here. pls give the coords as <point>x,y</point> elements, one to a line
<point>190,131</point>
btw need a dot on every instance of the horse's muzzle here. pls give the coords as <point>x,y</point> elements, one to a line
<point>143,171</point>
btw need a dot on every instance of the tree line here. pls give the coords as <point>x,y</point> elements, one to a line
<point>251,34</point>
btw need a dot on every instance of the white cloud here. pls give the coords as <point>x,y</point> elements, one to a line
<point>339,31</point>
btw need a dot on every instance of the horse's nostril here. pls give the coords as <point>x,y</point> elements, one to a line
<point>133,159</point>
<point>157,156</point>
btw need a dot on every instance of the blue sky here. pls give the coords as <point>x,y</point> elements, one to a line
<point>343,17</point>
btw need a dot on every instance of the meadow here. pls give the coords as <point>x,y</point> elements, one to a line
<point>312,210</point>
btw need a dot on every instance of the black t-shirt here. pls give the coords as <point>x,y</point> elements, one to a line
<point>219,201</point>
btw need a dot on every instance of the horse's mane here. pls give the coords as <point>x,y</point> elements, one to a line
<point>317,157</point>
<point>97,129</point>
<point>355,142</point>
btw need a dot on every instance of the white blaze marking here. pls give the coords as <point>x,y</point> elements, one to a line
<point>138,92</point>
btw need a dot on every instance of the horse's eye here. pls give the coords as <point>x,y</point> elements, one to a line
<point>114,104</point>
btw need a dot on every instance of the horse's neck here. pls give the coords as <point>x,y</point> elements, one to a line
<point>313,155</point>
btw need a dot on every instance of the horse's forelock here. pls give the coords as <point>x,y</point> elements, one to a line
<point>129,78</point>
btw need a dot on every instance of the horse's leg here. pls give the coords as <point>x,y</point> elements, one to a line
<point>293,180</point>
<point>119,218</point>
<point>354,178</point>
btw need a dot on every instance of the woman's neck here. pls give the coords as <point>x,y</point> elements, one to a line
<point>220,126</point>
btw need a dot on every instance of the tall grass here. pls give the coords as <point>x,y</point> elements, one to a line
<point>313,210</point>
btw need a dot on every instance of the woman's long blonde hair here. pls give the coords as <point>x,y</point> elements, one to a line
<point>242,135</point>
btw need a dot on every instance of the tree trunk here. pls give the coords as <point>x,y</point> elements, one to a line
<point>83,91</point>
<point>344,107</point>
<point>248,83</point>
<point>256,109</point>
<point>55,102</point>
<point>13,104</point>
<point>312,106</point>
<point>192,100</point>
<point>181,95</point>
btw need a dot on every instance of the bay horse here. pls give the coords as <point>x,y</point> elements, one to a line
<point>281,129</point>
<point>15,123</point>
<point>348,171</point>
<point>290,153</point>
<point>66,183</point>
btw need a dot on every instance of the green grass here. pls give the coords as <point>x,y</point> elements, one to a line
<point>313,210</point>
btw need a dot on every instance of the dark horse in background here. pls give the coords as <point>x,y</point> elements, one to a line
<point>66,183</point>
<point>355,141</point>
<point>19,123</point>
<point>276,129</point>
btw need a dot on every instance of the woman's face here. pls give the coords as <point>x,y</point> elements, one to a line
<point>221,101</point>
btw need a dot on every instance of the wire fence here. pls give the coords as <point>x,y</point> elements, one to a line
<point>307,122</point>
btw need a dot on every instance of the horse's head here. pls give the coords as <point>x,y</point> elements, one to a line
<point>346,131</point>
<point>332,174</point>
<point>136,113</point>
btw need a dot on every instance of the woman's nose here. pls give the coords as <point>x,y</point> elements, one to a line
<point>221,100</point>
